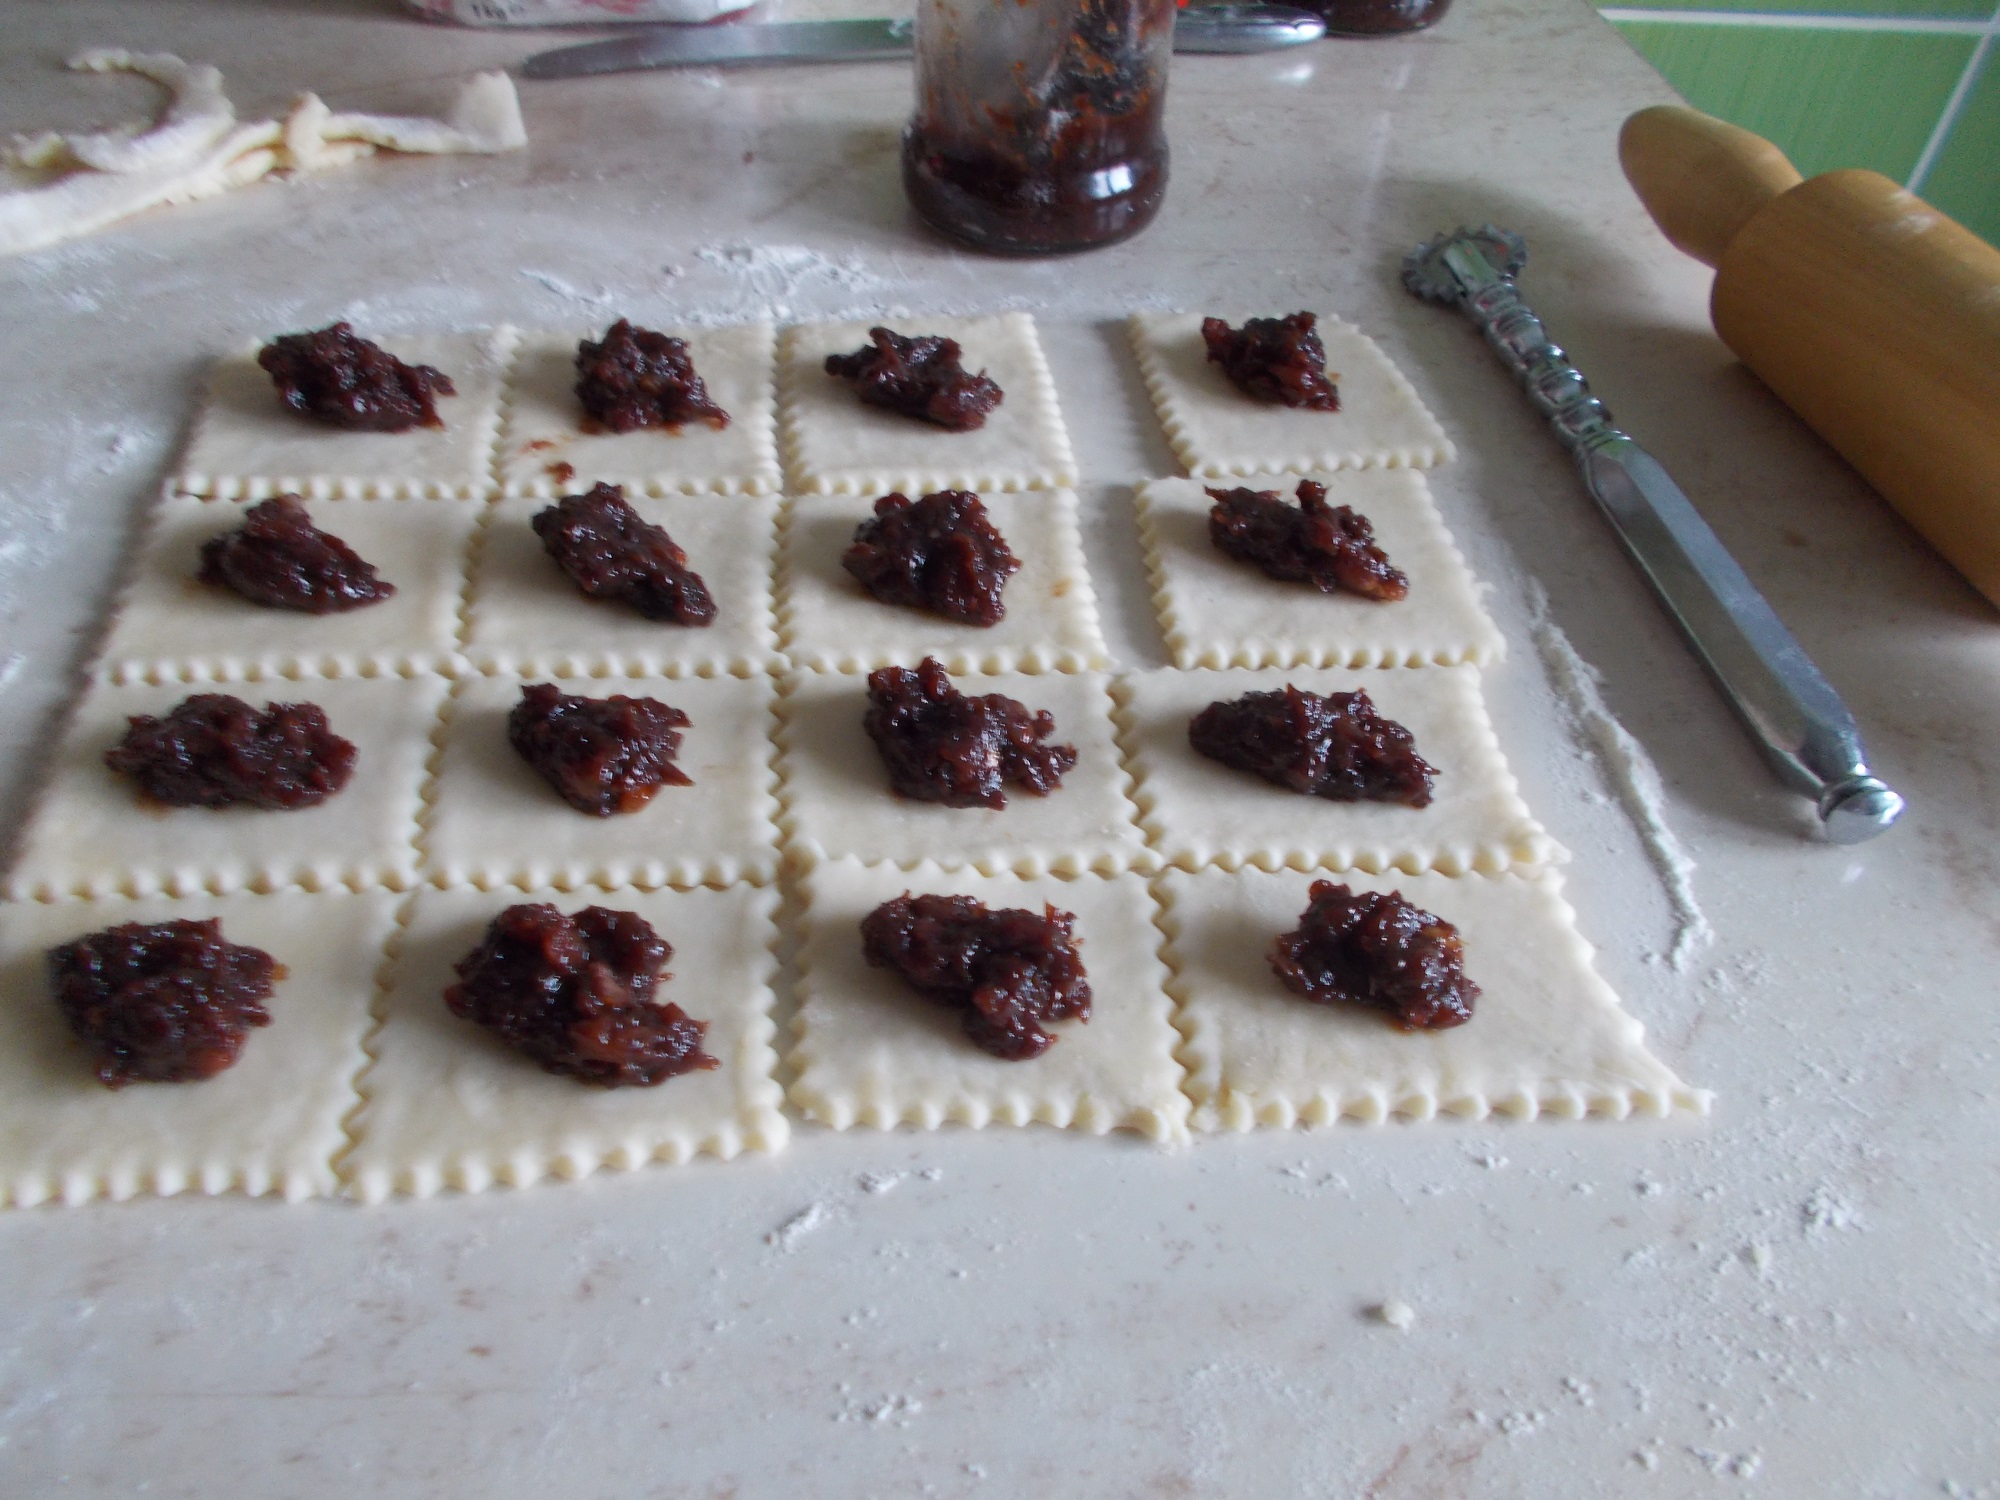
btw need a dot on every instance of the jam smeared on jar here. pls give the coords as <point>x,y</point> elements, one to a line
<point>1333,745</point>
<point>334,377</point>
<point>169,1002</point>
<point>1331,547</point>
<point>213,750</point>
<point>1277,360</point>
<point>609,553</point>
<point>1010,972</point>
<point>1374,948</point>
<point>1039,130</point>
<point>941,553</point>
<point>941,745</point>
<point>279,559</point>
<point>576,995</point>
<point>602,755</point>
<point>919,377</point>
<point>638,378</point>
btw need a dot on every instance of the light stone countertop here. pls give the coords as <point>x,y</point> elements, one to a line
<point>1797,1296</point>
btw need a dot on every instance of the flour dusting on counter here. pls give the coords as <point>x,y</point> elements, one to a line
<point>1630,770</point>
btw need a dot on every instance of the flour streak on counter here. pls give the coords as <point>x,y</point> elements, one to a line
<point>1628,768</point>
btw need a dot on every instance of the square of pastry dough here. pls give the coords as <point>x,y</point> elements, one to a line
<point>1197,811</point>
<point>1547,1035</point>
<point>93,835</point>
<point>525,614</point>
<point>544,449</point>
<point>170,626</point>
<point>831,624</point>
<point>838,801</point>
<point>872,1051</point>
<point>270,1123</point>
<point>448,1104</point>
<point>836,445</point>
<point>1217,611</point>
<point>1215,429</point>
<point>246,445</point>
<point>491,820</point>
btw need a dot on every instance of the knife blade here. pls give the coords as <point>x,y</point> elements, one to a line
<point>1205,29</point>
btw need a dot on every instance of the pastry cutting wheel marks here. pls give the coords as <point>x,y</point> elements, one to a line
<point>1798,720</point>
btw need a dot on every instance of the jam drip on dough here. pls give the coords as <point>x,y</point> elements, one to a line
<point>1008,972</point>
<point>609,553</point>
<point>1374,948</point>
<point>918,377</point>
<point>279,559</point>
<point>167,1003</point>
<point>1332,745</point>
<point>602,755</point>
<point>637,378</point>
<point>1331,547</point>
<point>576,995</point>
<point>213,750</point>
<point>1276,360</point>
<point>941,745</point>
<point>334,377</point>
<point>941,553</point>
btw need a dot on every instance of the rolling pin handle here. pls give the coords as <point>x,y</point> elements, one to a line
<point>1702,179</point>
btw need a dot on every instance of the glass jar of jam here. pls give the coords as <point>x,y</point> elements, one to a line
<point>1038,122</point>
<point>1376,17</point>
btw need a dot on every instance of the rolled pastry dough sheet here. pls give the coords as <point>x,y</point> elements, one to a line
<point>1547,1035</point>
<point>1216,611</point>
<point>838,800</point>
<point>492,821</point>
<point>447,1104</point>
<point>246,445</point>
<point>871,1051</point>
<point>834,444</point>
<point>829,623</point>
<point>92,836</point>
<point>1197,811</point>
<point>270,1124</point>
<point>525,614</point>
<point>543,428</point>
<point>1215,429</point>
<point>172,627</point>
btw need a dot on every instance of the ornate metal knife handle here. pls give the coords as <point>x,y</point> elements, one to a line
<point>1798,719</point>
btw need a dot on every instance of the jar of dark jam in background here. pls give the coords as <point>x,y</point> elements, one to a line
<point>1038,124</point>
<point>1375,17</point>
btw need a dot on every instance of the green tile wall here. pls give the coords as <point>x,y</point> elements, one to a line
<point>1826,98</point>
<point>1965,179</point>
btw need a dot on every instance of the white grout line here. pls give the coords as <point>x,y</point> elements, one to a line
<point>1953,108</point>
<point>1778,21</point>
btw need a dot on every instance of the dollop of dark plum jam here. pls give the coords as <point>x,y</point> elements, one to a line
<point>637,378</point>
<point>169,1002</point>
<point>1331,547</point>
<point>1374,948</point>
<point>279,559</point>
<point>941,745</point>
<point>609,553</point>
<point>602,755</point>
<point>1332,745</point>
<point>1009,972</point>
<point>919,377</point>
<point>577,995</point>
<point>941,553</point>
<point>1276,360</point>
<point>332,376</point>
<point>212,750</point>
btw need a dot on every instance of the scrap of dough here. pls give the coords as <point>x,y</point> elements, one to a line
<point>198,114</point>
<point>175,162</point>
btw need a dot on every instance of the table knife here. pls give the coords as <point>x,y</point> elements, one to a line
<point>1799,721</point>
<point>1204,28</point>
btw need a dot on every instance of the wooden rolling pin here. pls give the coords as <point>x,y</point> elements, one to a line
<point>1870,314</point>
